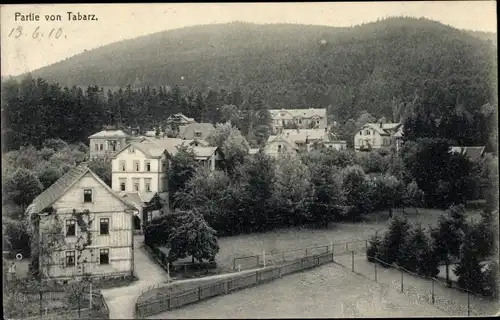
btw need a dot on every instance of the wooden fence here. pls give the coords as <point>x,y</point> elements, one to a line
<point>338,248</point>
<point>176,300</point>
<point>99,308</point>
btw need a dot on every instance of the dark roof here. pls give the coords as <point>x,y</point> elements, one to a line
<point>189,131</point>
<point>61,186</point>
<point>56,190</point>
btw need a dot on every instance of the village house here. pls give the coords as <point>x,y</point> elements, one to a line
<point>64,204</point>
<point>140,172</point>
<point>280,145</point>
<point>195,131</point>
<point>378,136</point>
<point>178,119</point>
<point>107,142</point>
<point>300,118</point>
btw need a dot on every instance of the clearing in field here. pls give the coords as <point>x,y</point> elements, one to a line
<point>328,291</point>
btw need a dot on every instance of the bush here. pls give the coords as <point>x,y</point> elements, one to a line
<point>372,252</point>
<point>394,238</point>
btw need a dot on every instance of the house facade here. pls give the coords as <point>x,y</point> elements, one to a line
<point>80,195</point>
<point>140,172</point>
<point>338,145</point>
<point>377,136</point>
<point>280,145</point>
<point>298,118</point>
<point>106,142</point>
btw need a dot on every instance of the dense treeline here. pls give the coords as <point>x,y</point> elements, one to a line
<point>34,111</point>
<point>257,193</point>
<point>368,67</point>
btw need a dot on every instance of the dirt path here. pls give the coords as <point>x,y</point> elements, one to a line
<point>121,301</point>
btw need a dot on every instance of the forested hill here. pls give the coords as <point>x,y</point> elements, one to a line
<point>368,67</point>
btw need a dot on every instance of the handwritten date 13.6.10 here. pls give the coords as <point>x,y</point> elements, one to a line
<point>38,33</point>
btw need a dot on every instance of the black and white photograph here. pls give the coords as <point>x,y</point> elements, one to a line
<point>250,160</point>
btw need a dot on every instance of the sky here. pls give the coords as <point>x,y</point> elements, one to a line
<point>28,45</point>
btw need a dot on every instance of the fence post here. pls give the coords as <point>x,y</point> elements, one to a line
<point>283,256</point>
<point>257,277</point>
<point>468,303</point>
<point>199,293</point>
<point>301,263</point>
<point>432,298</point>
<point>327,248</point>
<point>401,270</point>
<point>264,257</point>
<point>347,246</point>
<point>333,251</point>
<point>234,263</point>
<point>366,244</point>
<point>375,264</point>
<point>352,257</point>
<point>306,252</point>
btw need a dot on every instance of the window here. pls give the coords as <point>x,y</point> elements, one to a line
<point>148,166</point>
<point>131,150</point>
<point>300,121</point>
<point>136,165</point>
<point>367,132</point>
<point>317,121</point>
<point>70,228</point>
<point>87,195</point>
<point>70,259</point>
<point>101,147</point>
<point>122,165</point>
<point>360,142</point>
<point>103,256</point>
<point>136,184</point>
<point>123,184</point>
<point>197,134</point>
<point>96,147</point>
<point>147,185</point>
<point>104,226</point>
<point>279,148</point>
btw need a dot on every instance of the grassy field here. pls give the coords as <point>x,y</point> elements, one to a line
<point>327,291</point>
<point>293,238</point>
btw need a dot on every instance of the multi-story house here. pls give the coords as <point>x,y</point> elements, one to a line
<point>107,142</point>
<point>298,118</point>
<point>377,136</point>
<point>140,171</point>
<point>78,207</point>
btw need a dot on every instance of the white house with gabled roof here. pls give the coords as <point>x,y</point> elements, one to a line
<point>312,118</point>
<point>377,136</point>
<point>110,251</point>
